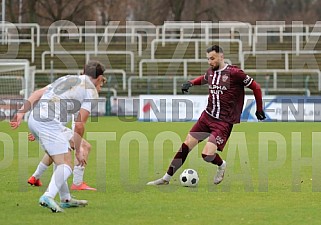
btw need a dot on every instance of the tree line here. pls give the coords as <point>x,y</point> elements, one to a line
<point>45,12</point>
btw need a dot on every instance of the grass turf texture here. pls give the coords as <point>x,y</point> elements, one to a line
<point>257,189</point>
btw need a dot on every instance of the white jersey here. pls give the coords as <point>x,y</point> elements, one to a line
<point>66,96</point>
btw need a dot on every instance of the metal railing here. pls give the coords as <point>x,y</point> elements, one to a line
<point>52,72</point>
<point>197,33</point>
<point>33,34</point>
<point>196,44</point>
<point>270,53</point>
<point>87,55</point>
<point>275,73</point>
<point>17,41</point>
<point>104,36</point>
<point>150,78</point>
<point>184,61</point>
<point>297,39</point>
<point>226,29</point>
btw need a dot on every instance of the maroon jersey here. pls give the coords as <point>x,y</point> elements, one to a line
<point>226,93</point>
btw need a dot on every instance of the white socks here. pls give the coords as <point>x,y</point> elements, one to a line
<point>78,175</point>
<point>40,170</point>
<point>64,193</point>
<point>167,177</point>
<point>58,182</point>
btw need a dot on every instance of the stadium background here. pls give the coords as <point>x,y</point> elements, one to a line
<point>153,49</point>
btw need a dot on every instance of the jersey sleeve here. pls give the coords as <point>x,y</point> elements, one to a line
<point>244,78</point>
<point>91,101</point>
<point>199,80</point>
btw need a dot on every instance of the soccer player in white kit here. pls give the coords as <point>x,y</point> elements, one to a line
<point>52,107</point>
<point>78,182</point>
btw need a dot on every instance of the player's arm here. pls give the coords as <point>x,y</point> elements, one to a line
<point>79,130</point>
<point>256,88</point>
<point>197,81</point>
<point>34,97</point>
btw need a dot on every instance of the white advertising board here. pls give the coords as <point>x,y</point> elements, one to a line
<point>161,108</point>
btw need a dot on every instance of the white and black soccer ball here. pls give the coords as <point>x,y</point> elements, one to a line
<point>189,178</point>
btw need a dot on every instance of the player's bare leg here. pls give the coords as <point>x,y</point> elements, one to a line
<point>78,183</point>
<point>58,182</point>
<point>78,178</point>
<point>179,159</point>
<point>41,168</point>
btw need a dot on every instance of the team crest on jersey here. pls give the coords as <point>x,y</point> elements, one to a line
<point>224,78</point>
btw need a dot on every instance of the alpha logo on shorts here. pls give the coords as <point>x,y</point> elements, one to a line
<point>219,140</point>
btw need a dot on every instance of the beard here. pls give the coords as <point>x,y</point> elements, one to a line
<point>215,67</point>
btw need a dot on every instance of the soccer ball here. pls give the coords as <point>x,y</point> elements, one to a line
<point>189,178</point>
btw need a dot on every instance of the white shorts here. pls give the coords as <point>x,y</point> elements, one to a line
<point>52,135</point>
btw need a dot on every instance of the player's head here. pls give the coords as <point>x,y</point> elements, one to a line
<point>95,70</point>
<point>215,57</point>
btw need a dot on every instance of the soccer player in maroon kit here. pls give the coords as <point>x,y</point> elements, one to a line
<point>225,102</point>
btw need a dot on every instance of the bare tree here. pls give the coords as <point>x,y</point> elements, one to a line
<point>154,11</point>
<point>294,10</point>
<point>231,10</point>
<point>32,11</point>
<point>114,10</point>
<point>44,12</point>
<point>12,9</point>
<point>77,11</point>
<point>28,11</point>
<point>252,10</point>
<point>177,7</point>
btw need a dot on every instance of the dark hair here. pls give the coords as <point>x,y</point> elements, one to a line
<point>215,48</point>
<point>94,68</point>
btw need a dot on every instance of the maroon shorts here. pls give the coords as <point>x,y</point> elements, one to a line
<point>218,131</point>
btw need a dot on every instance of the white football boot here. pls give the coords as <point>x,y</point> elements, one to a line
<point>220,173</point>
<point>159,181</point>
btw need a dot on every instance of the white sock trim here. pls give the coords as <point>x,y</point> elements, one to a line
<point>78,175</point>
<point>167,177</point>
<point>41,168</point>
<point>58,180</point>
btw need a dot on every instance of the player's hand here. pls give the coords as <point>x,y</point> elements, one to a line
<point>81,159</point>
<point>16,120</point>
<point>260,115</point>
<point>31,137</point>
<point>186,86</point>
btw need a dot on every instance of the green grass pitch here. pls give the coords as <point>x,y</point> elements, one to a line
<point>273,176</point>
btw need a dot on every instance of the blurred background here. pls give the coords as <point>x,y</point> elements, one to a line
<point>45,12</point>
<point>151,47</point>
